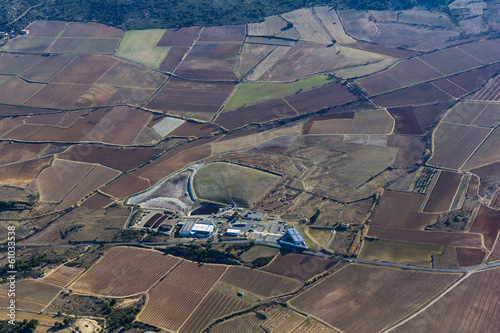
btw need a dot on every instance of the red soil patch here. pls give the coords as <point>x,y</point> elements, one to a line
<point>101,125</point>
<point>473,185</point>
<point>257,113</point>
<point>211,61</point>
<point>406,121</point>
<point>159,171</point>
<point>16,152</point>
<point>223,33</point>
<point>86,69</point>
<point>431,237</point>
<point>451,88</point>
<point>21,132</point>
<point>173,58</point>
<point>47,68</point>
<point>300,266</point>
<point>451,60</point>
<point>61,96</point>
<point>23,173</point>
<point>83,45</point>
<point>487,223</point>
<point>412,71</point>
<point>126,186</point>
<point>121,159</point>
<point>194,129</point>
<point>7,124</point>
<point>419,94</point>
<point>378,83</point>
<point>385,50</point>
<point>91,29</point>
<point>472,80</point>
<point>17,91</point>
<point>469,257</point>
<point>191,96</point>
<point>98,200</point>
<point>304,59</point>
<point>400,209</point>
<point>179,37</point>
<point>46,119</point>
<point>443,192</point>
<point>321,98</point>
<point>416,119</point>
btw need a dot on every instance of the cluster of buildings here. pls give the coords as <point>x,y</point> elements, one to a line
<point>197,228</point>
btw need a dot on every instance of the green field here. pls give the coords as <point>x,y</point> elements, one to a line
<point>259,251</point>
<point>253,92</point>
<point>220,182</point>
<point>140,46</point>
<point>399,252</point>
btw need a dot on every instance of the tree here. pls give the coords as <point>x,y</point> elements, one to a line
<point>313,218</point>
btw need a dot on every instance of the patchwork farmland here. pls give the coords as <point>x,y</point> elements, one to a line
<point>382,151</point>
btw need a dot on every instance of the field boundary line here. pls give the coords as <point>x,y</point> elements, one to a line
<point>36,92</point>
<point>430,189</point>
<point>204,297</point>
<point>283,98</point>
<point>446,291</point>
<point>106,72</point>
<point>228,98</point>
<point>453,97</point>
<point>47,50</point>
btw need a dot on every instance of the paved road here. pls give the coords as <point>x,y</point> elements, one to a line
<point>319,254</point>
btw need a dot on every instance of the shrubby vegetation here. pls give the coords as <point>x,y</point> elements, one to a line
<point>31,267</point>
<point>20,327</point>
<point>147,14</point>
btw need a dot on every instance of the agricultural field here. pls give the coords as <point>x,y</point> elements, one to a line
<point>225,182</point>
<point>472,304</point>
<point>141,46</point>
<point>329,119</point>
<point>196,99</point>
<point>431,237</point>
<point>401,209</point>
<point>487,223</point>
<point>206,60</point>
<point>448,136</point>
<point>299,266</point>
<point>363,122</point>
<point>113,275</point>
<point>349,300</point>
<point>180,293</point>
<point>31,295</point>
<point>487,152</point>
<point>259,282</point>
<point>405,253</point>
<point>216,304</point>
<point>444,191</point>
<point>252,92</point>
<point>62,275</point>
<point>293,65</point>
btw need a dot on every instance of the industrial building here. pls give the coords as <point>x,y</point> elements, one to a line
<point>232,232</point>
<point>293,238</point>
<point>197,228</point>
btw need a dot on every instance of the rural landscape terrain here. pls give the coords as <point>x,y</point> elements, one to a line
<point>327,169</point>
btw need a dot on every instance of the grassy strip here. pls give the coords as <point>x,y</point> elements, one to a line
<point>400,252</point>
<point>253,92</point>
<point>460,191</point>
<point>140,46</point>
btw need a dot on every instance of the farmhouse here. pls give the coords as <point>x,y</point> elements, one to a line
<point>197,228</point>
<point>293,238</point>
